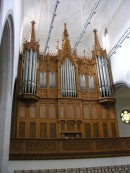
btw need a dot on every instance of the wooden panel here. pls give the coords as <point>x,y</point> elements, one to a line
<point>32,130</point>
<point>43,130</point>
<point>70,126</point>
<point>86,112</point>
<point>52,130</point>
<point>95,130</point>
<point>70,111</point>
<point>112,114</point>
<point>22,129</point>
<point>78,111</point>
<point>62,126</point>
<point>62,111</point>
<point>22,111</point>
<point>113,130</point>
<point>32,112</point>
<point>105,130</point>
<point>52,110</point>
<point>43,112</point>
<point>78,126</point>
<point>87,127</point>
<point>94,112</point>
<point>104,113</point>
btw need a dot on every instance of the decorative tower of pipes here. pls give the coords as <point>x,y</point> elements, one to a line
<point>68,72</point>
<point>103,72</point>
<point>30,64</point>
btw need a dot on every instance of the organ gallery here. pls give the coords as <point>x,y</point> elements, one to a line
<point>63,96</point>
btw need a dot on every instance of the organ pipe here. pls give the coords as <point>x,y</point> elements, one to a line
<point>103,78</point>
<point>29,71</point>
<point>68,80</point>
<point>99,77</point>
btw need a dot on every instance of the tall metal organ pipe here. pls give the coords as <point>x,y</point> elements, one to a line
<point>29,71</point>
<point>103,77</point>
<point>68,80</point>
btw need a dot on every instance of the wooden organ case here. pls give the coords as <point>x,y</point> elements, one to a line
<point>63,96</point>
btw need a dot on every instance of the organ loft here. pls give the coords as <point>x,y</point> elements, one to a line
<point>62,95</point>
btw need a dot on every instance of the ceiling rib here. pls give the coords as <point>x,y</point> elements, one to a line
<point>86,24</point>
<point>51,26</point>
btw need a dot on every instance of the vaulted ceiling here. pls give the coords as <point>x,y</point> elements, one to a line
<point>73,12</point>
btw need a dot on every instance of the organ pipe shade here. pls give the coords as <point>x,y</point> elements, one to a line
<point>29,71</point>
<point>82,82</point>
<point>91,82</point>
<point>52,80</point>
<point>43,79</point>
<point>103,78</point>
<point>68,79</point>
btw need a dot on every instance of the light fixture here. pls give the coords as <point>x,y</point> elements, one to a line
<point>125,116</point>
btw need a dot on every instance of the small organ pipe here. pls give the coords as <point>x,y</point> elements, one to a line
<point>68,84</point>
<point>26,71</point>
<point>30,71</point>
<point>102,79</point>
<point>33,69</point>
<point>99,79</point>
<point>63,77</point>
<point>70,79</point>
<point>108,78</point>
<point>54,79</point>
<point>35,74</point>
<point>23,72</point>
<point>74,82</point>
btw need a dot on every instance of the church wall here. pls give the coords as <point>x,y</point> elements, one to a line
<point>11,10</point>
<point>121,104</point>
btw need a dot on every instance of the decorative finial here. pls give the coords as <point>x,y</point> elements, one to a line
<point>84,53</point>
<point>65,40</point>
<point>65,26</point>
<point>57,44</point>
<point>33,39</point>
<point>96,44</point>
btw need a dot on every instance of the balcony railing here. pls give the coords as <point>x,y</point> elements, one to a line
<point>68,148</point>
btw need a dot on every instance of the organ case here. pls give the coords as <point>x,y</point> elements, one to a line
<point>63,95</point>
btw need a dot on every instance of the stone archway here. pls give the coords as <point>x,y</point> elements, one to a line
<point>6,86</point>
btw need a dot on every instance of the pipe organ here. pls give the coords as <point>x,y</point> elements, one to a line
<point>63,96</point>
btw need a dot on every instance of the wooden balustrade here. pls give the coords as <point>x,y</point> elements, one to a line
<point>68,148</point>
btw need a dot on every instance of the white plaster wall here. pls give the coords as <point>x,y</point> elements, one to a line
<point>121,104</point>
<point>68,163</point>
<point>13,8</point>
<point>120,62</point>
